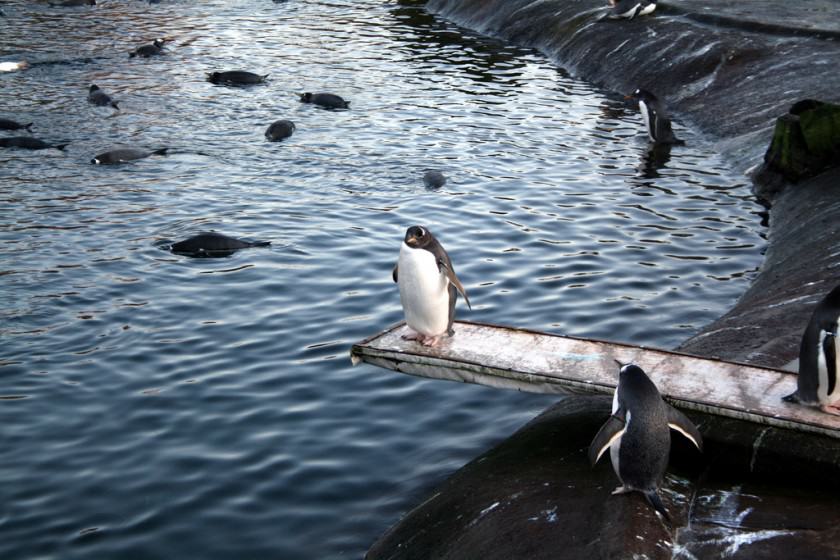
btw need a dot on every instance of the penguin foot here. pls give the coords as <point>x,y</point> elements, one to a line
<point>831,409</point>
<point>430,341</point>
<point>620,490</point>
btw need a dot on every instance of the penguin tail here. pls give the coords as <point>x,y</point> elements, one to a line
<point>261,244</point>
<point>61,146</point>
<point>656,502</point>
<point>161,152</point>
<point>132,54</point>
<point>28,127</point>
<point>792,398</point>
<point>115,106</point>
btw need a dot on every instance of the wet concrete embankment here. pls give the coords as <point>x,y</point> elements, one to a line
<point>728,70</point>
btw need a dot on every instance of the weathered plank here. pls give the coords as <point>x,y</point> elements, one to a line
<point>540,362</point>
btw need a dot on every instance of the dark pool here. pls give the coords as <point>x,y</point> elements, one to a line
<point>158,406</point>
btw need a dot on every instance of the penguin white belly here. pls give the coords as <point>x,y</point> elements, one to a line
<point>615,448</point>
<point>823,395</point>
<point>647,9</point>
<point>424,291</point>
<point>646,117</point>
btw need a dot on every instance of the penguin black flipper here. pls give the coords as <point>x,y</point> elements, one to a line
<point>395,272</point>
<point>612,429</point>
<point>679,422</point>
<point>453,297</point>
<point>445,266</point>
<point>830,354</point>
<point>655,501</point>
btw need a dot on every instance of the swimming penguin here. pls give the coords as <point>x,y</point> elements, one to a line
<point>213,244</point>
<point>278,130</point>
<point>11,66</point>
<point>100,98</point>
<point>428,286</point>
<point>236,78</point>
<point>819,367</point>
<point>638,437</point>
<point>630,8</point>
<point>28,143</point>
<point>656,118</point>
<point>71,3</point>
<point>8,124</point>
<point>326,100</point>
<point>434,179</point>
<point>146,51</point>
<point>123,155</point>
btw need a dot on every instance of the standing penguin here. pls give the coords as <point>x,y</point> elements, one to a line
<point>428,286</point>
<point>638,437</point>
<point>630,8</point>
<point>656,117</point>
<point>817,384</point>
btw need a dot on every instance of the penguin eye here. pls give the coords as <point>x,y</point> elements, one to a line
<point>420,233</point>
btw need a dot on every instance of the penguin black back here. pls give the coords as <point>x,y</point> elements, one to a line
<point>818,368</point>
<point>656,119</point>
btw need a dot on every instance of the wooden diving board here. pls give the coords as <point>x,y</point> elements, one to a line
<point>540,362</point>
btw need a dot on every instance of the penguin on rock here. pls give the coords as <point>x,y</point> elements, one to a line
<point>817,383</point>
<point>428,286</point>
<point>628,9</point>
<point>638,435</point>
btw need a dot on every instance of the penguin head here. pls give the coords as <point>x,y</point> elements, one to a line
<point>159,43</point>
<point>93,88</point>
<point>213,77</point>
<point>634,383</point>
<point>418,237</point>
<point>306,97</point>
<point>642,95</point>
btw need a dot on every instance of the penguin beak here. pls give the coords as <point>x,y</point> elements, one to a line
<point>620,365</point>
<point>411,241</point>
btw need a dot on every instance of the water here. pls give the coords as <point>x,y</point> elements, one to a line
<point>157,406</point>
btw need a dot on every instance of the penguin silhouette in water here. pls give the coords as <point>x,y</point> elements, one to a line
<point>656,119</point>
<point>8,124</point>
<point>428,287</point>
<point>236,78</point>
<point>145,51</point>
<point>325,100</point>
<point>638,435</point>
<point>212,244</point>
<point>98,97</point>
<point>628,9</point>
<point>279,130</point>
<point>817,383</point>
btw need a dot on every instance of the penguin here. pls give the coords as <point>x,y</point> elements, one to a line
<point>278,130</point>
<point>8,124</point>
<point>638,437</point>
<point>28,143</point>
<point>11,66</point>
<point>236,78</point>
<point>72,3</point>
<point>123,155</point>
<point>434,179</point>
<point>819,358</point>
<point>326,100</point>
<point>630,8</point>
<point>656,118</point>
<point>212,244</point>
<point>146,51</point>
<point>100,98</point>
<point>428,286</point>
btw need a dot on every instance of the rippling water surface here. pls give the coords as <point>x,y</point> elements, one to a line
<point>157,406</point>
